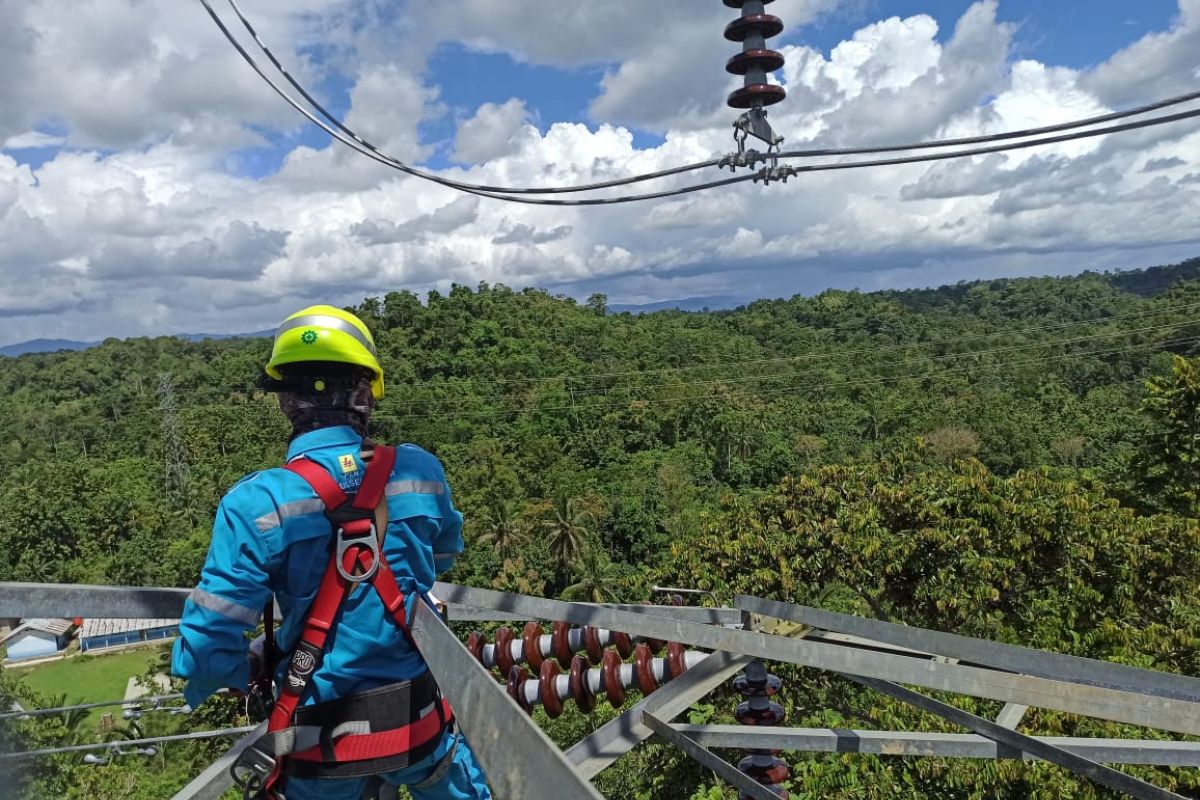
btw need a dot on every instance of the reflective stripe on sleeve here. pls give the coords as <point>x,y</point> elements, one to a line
<point>415,487</point>
<point>296,508</point>
<point>226,608</point>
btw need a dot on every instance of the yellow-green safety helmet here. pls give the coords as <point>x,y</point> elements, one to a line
<point>325,333</point>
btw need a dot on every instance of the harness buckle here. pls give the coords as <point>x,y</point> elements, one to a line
<point>251,770</point>
<point>368,540</point>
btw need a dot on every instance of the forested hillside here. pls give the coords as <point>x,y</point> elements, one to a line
<point>1012,459</point>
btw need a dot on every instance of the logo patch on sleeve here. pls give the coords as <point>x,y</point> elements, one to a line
<point>348,464</point>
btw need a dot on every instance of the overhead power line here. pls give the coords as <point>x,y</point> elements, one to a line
<point>137,701</point>
<point>80,748</point>
<point>348,137</point>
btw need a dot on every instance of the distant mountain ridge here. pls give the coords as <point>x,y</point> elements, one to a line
<point>56,345</point>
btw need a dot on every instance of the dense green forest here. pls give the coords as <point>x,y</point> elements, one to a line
<point>1013,459</point>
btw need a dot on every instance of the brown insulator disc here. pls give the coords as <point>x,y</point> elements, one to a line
<point>772,714</point>
<point>548,688</point>
<point>759,94</point>
<point>504,659</point>
<point>769,774</point>
<point>475,643</point>
<point>610,671</point>
<point>560,644</point>
<point>676,660</point>
<point>748,688</point>
<point>581,689</point>
<point>766,60</point>
<point>740,29</point>
<point>516,686</point>
<point>643,669</point>
<point>624,644</point>
<point>532,636</point>
<point>591,642</point>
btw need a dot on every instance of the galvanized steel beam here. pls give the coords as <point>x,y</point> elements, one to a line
<point>216,779</point>
<point>618,736</point>
<point>1083,767</point>
<point>67,601</point>
<point>1093,701</point>
<point>1027,661</point>
<point>518,758</point>
<point>709,760</point>
<point>944,745</point>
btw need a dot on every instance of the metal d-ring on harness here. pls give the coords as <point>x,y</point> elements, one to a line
<point>357,735</point>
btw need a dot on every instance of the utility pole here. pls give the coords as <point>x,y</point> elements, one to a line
<point>174,457</point>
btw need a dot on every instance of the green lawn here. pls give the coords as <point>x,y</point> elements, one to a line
<point>87,679</point>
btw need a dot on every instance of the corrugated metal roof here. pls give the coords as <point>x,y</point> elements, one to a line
<point>108,627</point>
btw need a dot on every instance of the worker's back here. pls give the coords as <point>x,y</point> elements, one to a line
<point>272,536</point>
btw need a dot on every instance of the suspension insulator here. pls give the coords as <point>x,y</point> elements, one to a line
<point>560,644</point>
<point>580,686</point>
<point>531,637</point>
<point>517,677</point>
<point>756,60</point>
<point>548,688</point>
<point>765,769</point>
<point>750,713</point>
<point>475,643</point>
<point>592,644</point>
<point>624,644</point>
<point>610,675</point>
<point>504,654</point>
<point>643,669</point>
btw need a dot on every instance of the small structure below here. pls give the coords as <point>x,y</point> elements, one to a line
<point>37,638</point>
<point>98,634</point>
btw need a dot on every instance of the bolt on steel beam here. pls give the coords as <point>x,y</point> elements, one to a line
<point>918,744</point>
<point>1027,661</point>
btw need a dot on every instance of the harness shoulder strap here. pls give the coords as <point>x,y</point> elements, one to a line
<point>357,548</point>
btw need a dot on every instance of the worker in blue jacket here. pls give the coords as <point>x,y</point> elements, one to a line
<point>271,539</point>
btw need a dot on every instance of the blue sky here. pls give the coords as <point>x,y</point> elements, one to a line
<point>154,185</point>
<point>1069,33</point>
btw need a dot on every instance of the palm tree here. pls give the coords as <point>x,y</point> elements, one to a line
<point>503,529</point>
<point>596,575</point>
<point>568,530</point>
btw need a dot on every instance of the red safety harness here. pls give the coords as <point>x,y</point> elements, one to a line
<point>357,558</point>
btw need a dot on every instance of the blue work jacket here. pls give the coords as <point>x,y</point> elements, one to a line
<point>271,536</point>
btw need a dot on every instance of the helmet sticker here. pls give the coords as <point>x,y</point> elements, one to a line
<point>309,337</point>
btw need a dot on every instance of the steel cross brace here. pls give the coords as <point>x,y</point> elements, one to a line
<point>949,745</point>
<point>1024,660</point>
<point>618,736</point>
<point>1093,701</point>
<point>710,760</point>
<point>1083,767</point>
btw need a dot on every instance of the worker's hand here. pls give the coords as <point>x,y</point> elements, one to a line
<point>258,658</point>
